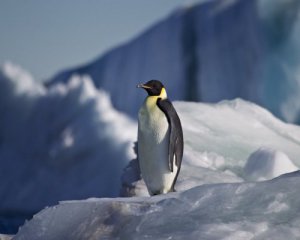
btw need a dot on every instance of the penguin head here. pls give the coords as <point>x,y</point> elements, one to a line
<point>153,87</point>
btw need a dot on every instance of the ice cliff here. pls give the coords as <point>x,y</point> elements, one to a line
<point>209,52</point>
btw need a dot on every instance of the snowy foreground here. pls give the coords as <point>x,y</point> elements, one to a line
<point>264,210</point>
<point>79,145</point>
<point>231,150</point>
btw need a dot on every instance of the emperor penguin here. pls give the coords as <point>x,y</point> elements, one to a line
<point>160,140</point>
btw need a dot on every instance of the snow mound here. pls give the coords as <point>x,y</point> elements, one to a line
<point>20,80</point>
<point>240,211</point>
<point>64,142</point>
<point>219,138</point>
<point>266,164</point>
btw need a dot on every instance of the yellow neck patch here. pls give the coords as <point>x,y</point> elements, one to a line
<point>163,94</point>
<point>151,100</point>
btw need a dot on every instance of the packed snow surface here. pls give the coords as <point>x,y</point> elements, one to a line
<point>267,164</point>
<point>233,211</point>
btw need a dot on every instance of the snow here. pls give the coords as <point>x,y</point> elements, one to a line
<point>232,141</point>
<point>67,142</point>
<point>235,211</point>
<point>58,143</point>
<point>21,80</point>
<point>266,164</point>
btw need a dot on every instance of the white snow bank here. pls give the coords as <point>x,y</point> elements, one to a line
<point>76,146</point>
<point>234,130</point>
<point>68,142</point>
<point>219,138</point>
<point>240,211</point>
<point>65,142</point>
<point>224,135</point>
<point>21,80</point>
<point>266,164</point>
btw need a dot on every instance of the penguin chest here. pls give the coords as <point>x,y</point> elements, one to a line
<point>153,126</point>
<point>153,144</point>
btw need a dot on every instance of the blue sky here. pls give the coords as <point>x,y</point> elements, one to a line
<point>45,37</point>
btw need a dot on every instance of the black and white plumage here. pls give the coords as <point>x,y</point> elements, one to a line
<point>160,140</point>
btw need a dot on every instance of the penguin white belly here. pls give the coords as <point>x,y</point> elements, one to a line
<point>153,145</point>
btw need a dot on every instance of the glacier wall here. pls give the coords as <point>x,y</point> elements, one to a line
<point>209,52</point>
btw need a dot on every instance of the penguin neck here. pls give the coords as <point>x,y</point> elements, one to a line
<point>151,100</point>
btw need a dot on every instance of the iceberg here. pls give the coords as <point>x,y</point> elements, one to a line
<point>208,52</point>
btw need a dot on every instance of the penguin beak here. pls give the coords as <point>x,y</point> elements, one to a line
<point>143,86</point>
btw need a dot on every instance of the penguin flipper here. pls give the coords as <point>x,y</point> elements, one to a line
<point>176,134</point>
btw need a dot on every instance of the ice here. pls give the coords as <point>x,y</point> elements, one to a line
<point>21,81</point>
<point>67,142</point>
<point>232,141</point>
<point>58,143</point>
<point>235,211</point>
<point>267,163</point>
<point>211,51</point>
